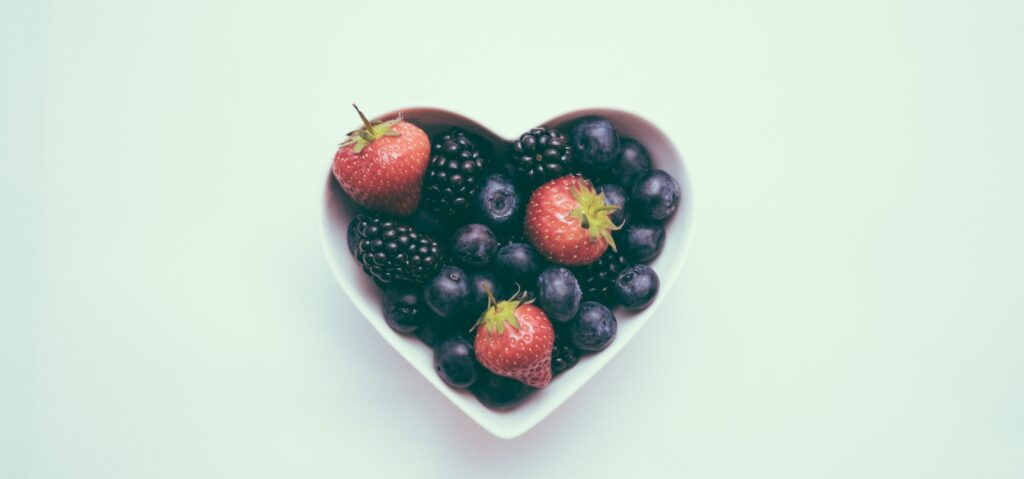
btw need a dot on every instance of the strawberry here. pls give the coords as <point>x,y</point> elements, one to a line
<point>381,165</point>
<point>568,221</point>
<point>521,351</point>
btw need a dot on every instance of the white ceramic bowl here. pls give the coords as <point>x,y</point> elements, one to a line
<point>338,211</point>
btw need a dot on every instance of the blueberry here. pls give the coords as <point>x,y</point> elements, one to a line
<point>432,225</point>
<point>632,163</point>
<point>593,328</point>
<point>498,203</point>
<point>615,195</point>
<point>404,310</point>
<point>499,392</point>
<point>473,245</point>
<point>558,293</point>
<point>518,262</point>
<point>455,362</point>
<point>655,195</point>
<point>595,144</point>
<point>641,242</point>
<point>434,329</point>
<point>636,287</point>
<point>448,293</point>
<point>480,283</point>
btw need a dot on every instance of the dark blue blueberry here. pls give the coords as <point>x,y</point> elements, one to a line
<point>455,362</point>
<point>655,196</point>
<point>636,287</point>
<point>615,195</point>
<point>632,163</point>
<point>449,293</point>
<point>593,328</point>
<point>498,203</point>
<point>558,293</point>
<point>499,392</point>
<point>404,309</point>
<point>641,242</point>
<point>518,262</point>
<point>473,245</point>
<point>434,329</point>
<point>595,144</point>
<point>432,225</point>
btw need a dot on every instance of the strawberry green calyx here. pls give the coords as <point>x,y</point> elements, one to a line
<point>595,216</point>
<point>370,132</point>
<point>500,312</point>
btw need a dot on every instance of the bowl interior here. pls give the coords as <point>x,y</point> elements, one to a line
<point>338,211</point>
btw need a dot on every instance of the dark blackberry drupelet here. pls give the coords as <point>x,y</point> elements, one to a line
<point>597,278</point>
<point>389,250</point>
<point>454,174</point>
<point>563,356</point>
<point>541,155</point>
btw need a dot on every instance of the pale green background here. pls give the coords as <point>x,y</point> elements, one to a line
<point>853,306</point>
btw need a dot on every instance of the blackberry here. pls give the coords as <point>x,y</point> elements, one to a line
<point>541,155</point>
<point>563,356</point>
<point>454,174</point>
<point>389,250</point>
<point>597,279</point>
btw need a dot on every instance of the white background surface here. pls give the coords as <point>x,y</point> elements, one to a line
<point>852,305</point>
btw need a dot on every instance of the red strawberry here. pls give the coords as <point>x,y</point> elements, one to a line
<point>521,351</point>
<point>381,165</point>
<point>569,222</point>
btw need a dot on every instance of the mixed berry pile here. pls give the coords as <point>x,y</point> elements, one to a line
<point>510,267</point>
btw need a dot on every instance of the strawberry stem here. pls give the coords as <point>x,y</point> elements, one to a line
<point>370,132</point>
<point>500,312</point>
<point>366,122</point>
<point>594,214</point>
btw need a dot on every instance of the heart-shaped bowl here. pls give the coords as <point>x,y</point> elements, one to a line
<point>338,210</point>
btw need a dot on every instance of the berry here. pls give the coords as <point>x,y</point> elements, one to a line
<point>595,144</point>
<point>514,339</point>
<point>596,279</point>
<point>568,221</point>
<point>499,392</point>
<point>404,309</point>
<point>655,195</point>
<point>558,293</point>
<point>517,262</point>
<point>455,362</point>
<point>636,287</point>
<point>454,174</point>
<point>449,293</point>
<point>390,250</point>
<point>563,356</point>
<point>426,222</point>
<point>632,163</point>
<point>434,329</point>
<point>498,203</point>
<point>473,245</point>
<point>381,165</point>
<point>642,242</point>
<point>540,155</point>
<point>593,328</point>
<point>615,195</point>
